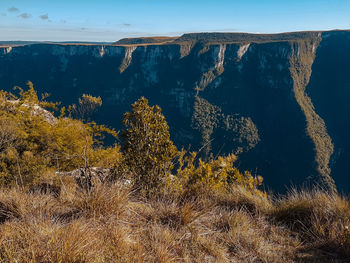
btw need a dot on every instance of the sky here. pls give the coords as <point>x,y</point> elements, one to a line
<point>110,20</point>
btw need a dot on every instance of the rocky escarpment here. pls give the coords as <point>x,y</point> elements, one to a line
<point>259,96</point>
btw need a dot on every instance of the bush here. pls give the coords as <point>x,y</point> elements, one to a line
<point>147,148</point>
<point>215,176</point>
<point>34,142</point>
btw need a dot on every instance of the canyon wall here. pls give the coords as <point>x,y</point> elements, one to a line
<point>280,102</point>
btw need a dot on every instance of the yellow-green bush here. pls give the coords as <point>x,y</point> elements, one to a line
<point>33,141</point>
<point>216,175</point>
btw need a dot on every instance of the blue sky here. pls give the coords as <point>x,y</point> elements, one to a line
<point>110,20</point>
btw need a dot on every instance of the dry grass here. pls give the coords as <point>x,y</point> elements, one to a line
<point>112,224</point>
<point>319,218</point>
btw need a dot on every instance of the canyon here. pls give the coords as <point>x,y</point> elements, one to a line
<point>280,102</point>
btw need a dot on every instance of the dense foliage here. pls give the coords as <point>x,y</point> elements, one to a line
<point>147,147</point>
<point>151,157</point>
<point>34,143</point>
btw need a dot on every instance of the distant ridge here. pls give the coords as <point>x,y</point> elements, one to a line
<point>244,37</point>
<point>222,37</point>
<point>214,37</point>
<point>145,40</point>
<point>79,42</point>
<point>17,43</point>
<point>25,43</point>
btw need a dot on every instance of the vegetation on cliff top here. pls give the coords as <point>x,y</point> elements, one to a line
<point>145,40</point>
<point>219,38</point>
<point>154,202</point>
<point>215,38</point>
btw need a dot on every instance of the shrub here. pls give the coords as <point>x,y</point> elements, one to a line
<point>147,147</point>
<point>33,141</point>
<point>87,105</point>
<point>217,175</point>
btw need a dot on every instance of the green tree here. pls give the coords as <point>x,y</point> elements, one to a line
<point>146,145</point>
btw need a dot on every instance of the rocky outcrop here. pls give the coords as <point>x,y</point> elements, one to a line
<point>36,110</point>
<point>86,177</point>
<point>127,59</point>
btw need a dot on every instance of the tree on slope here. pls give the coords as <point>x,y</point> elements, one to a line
<point>147,147</point>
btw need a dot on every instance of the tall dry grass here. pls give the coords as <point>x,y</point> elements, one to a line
<point>110,223</point>
<point>320,219</point>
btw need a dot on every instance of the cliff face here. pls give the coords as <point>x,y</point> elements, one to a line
<point>278,101</point>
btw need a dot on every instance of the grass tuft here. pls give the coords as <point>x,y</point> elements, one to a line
<point>111,224</point>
